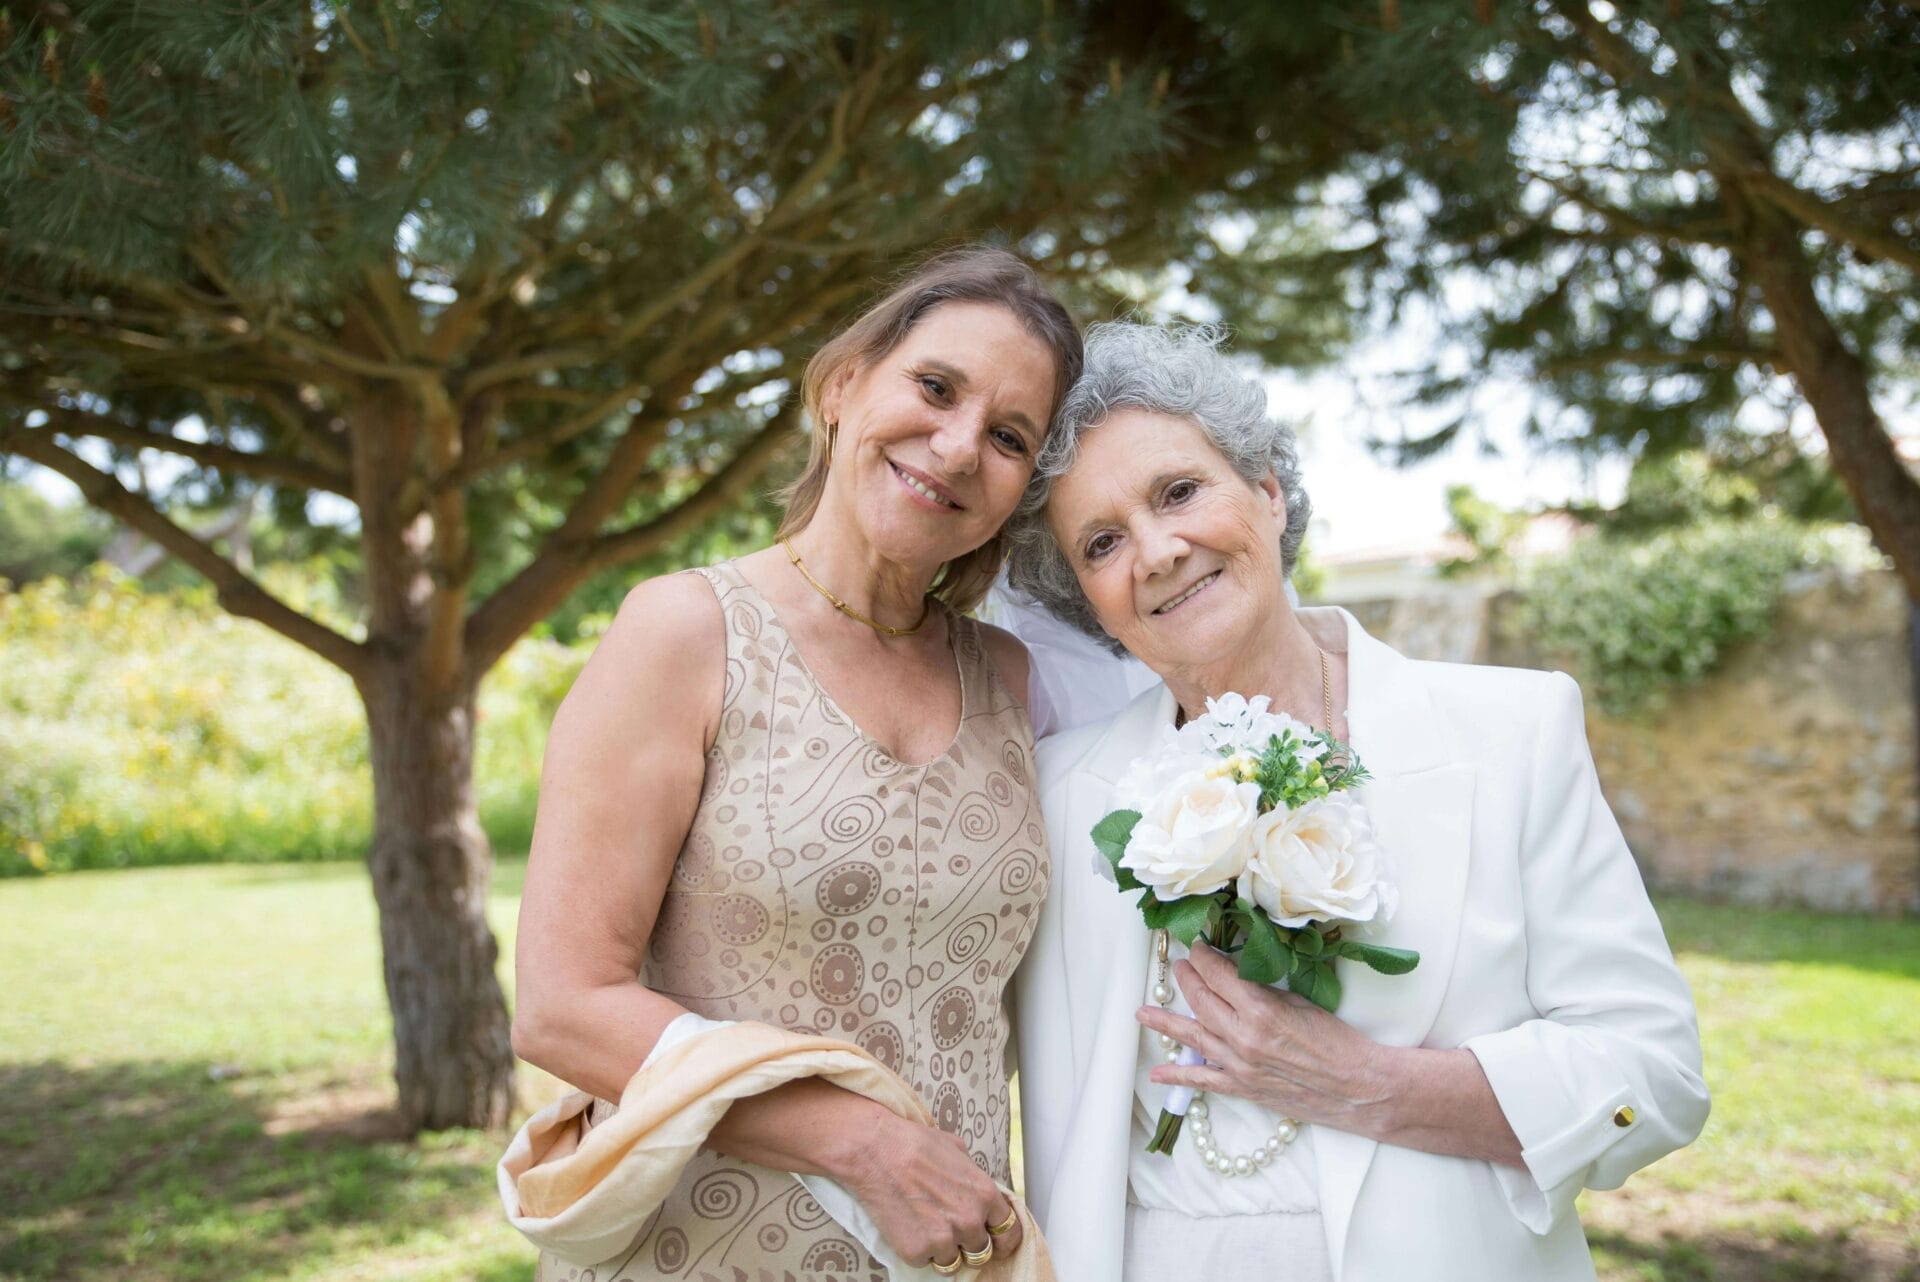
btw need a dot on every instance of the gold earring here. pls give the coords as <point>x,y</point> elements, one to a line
<point>833,429</point>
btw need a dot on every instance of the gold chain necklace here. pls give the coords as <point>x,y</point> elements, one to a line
<point>884,629</point>
<point>1326,690</point>
<point>1180,714</point>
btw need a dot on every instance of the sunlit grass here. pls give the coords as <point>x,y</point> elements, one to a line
<point>194,1064</point>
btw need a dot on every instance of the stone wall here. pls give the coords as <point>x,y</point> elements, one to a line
<point>1786,777</point>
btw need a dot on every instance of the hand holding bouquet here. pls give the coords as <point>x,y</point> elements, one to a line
<point>1240,831</point>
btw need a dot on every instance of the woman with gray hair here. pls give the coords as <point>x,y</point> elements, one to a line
<point>1442,1124</point>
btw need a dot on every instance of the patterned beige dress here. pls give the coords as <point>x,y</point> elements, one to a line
<point>825,886</point>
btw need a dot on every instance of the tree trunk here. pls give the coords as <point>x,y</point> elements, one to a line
<point>431,864</point>
<point>453,1060</point>
<point>1834,381</point>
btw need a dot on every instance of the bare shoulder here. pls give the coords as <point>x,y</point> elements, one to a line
<point>664,657</point>
<point>1009,655</point>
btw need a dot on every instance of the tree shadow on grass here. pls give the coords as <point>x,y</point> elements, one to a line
<point>1743,933</point>
<point>169,1171</point>
<point>1730,1257</point>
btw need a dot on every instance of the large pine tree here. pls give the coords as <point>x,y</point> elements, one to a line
<point>459,268</point>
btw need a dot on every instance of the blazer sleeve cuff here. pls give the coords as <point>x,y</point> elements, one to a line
<point>1560,1138</point>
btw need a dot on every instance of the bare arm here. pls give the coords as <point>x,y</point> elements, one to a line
<point>618,792</point>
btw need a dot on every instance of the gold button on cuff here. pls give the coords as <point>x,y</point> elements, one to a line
<point>1623,1116</point>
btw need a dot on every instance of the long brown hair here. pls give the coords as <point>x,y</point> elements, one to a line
<point>971,274</point>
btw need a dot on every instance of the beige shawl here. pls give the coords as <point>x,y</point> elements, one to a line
<point>583,1194</point>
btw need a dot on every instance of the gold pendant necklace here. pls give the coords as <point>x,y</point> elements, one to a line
<point>884,629</point>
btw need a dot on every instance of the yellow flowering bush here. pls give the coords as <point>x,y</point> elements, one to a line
<point>142,727</point>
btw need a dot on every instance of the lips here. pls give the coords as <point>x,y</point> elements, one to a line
<point>1200,586</point>
<point>925,486</point>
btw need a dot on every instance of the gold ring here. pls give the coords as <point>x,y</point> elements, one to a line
<point>975,1259</point>
<point>1005,1226</point>
<point>948,1269</point>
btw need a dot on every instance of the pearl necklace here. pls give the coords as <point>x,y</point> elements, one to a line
<point>1212,1156</point>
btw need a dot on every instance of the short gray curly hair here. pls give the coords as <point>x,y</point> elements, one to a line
<point>1179,371</point>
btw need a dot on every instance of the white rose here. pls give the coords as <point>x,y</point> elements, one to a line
<point>1150,776</point>
<point>1192,838</point>
<point>1318,862</point>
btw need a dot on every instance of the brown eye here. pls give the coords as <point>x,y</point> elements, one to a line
<point>1181,491</point>
<point>936,387</point>
<point>1098,546</point>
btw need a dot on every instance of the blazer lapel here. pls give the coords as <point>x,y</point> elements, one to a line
<point>1421,804</point>
<point>1105,973</point>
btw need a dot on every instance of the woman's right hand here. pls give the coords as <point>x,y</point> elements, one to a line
<point>926,1196</point>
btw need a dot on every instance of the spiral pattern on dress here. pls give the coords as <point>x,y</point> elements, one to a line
<point>970,936</point>
<point>719,1194</point>
<point>853,819</point>
<point>977,819</point>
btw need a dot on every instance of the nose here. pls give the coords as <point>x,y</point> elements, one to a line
<point>956,443</point>
<point>1160,549</point>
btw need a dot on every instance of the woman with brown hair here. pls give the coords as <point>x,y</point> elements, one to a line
<point>796,788</point>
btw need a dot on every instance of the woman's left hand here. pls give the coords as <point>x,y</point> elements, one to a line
<point>1271,1047</point>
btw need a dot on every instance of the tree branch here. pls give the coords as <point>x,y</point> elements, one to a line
<point>237,592</point>
<point>566,560</point>
<point>278,468</point>
<point>721,492</point>
<point>540,443</point>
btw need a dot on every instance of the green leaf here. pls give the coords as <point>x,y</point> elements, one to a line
<point>1388,961</point>
<point>1316,982</point>
<point>1153,912</point>
<point>1307,941</point>
<point>1187,918</point>
<point>1110,837</point>
<point>1265,957</point>
<point>1112,834</point>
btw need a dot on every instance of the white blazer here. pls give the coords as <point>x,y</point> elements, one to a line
<point>1538,951</point>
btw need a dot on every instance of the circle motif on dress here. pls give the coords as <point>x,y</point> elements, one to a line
<point>882,1041</point>
<point>835,1255</point>
<point>771,1238</point>
<point>669,1249</point>
<point>946,1108</point>
<point>848,888</point>
<point>739,919</point>
<point>838,973</point>
<point>952,1017</point>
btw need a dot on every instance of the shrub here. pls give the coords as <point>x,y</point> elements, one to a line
<point>1635,618</point>
<point>145,727</point>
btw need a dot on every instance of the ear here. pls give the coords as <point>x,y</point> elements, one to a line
<point>1275,495</point>
<point>834,393</point>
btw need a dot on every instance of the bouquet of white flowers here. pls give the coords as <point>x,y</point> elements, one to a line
<point>1240,832</point>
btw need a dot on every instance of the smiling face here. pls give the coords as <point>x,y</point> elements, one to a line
<point>1178,555</point>
<point>937,438</point>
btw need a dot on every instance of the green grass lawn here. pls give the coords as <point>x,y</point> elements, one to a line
<point>193,1085</point>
